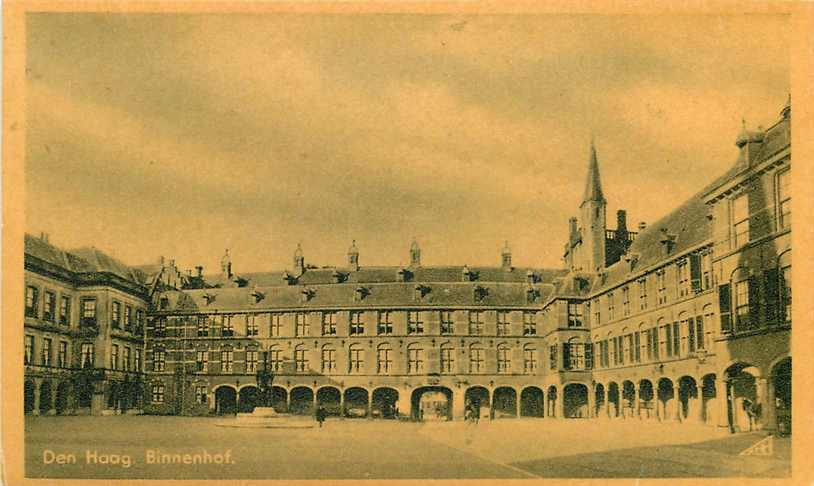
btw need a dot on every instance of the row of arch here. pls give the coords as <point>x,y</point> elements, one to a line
<point>55,397</point>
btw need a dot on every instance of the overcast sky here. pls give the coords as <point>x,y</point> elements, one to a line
<point>183,135</point>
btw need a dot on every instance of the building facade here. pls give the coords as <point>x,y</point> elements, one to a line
<point>686,319</point>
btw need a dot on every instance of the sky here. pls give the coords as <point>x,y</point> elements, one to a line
<point>181,135</point>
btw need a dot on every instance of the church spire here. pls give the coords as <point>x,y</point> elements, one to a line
<point>593,186</point>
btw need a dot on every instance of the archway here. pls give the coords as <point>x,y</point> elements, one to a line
<point>279,399</point>
<point>84,392</point>
<point>302,401</point>
<point>248,399</point>
<point>647,402</point>
<point>477,397</point>
<point>599,400</point>
<point>63,392</point>
<point>385,402</point>
<point>613,399</point>
<point>781,383</point>
<point>45,397</point>
<point>329,398</point>
<point>356,402</point>
<point>113,396</point>
<point>531,402</point>
<point>551,407</point>
<point>742,399</point>
<point>709,399</point>
<point>29,392</point>
<point>688,398</point>
<point>225,400</point>
<point>431,402</point>
<point>504,402</point>
<point>575,400</point>
<point>666,399</point>
<point>628,398</point>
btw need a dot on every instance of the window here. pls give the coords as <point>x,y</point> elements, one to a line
<point>87,355</point>
<point>139,321</point>
<point>476,359</point>
<point>158,360</point>
<point>574,314</point>
<point>618,351</point>
<point>116,315</point>
<point>227,327</point>
<point>626,301</point>
<point>415,360</point>
<point>447,359</point>
<point>62,355</point>
<point>328,361</point>
<point>49,306</point>
<point>201,395</point>
<point>114,357</point>
<point>643,294</point>
<point>552,356</point>
<point>597,313</point>
<point>276,324</point>
<point>227,357</point>
<point>158,393</point>
<point>203,326</point>
<point>65,310</point>
<point>785,290</point>
<point>28,357</point>
<point>414,324</point>
<point>784,199</point>
<point>329,324</point>
<point>301,358</point>
<point>529,360</point>
<point>740,220</point>
<point>276,358</point>
<point>629,348</point>
<point>251,325</point>
<point>676,339</point>
<point>202,361</point>
<point>45,358</point>
<point>610,306</point>
<point>126,359</point>
<point>503,325</point>
<point>251,361</point>
<point>357,359</point>
<point>666,340</point>
<point>137,360</point>
<point>683,270</point>
<point>384,359</point>
<point>706,271</point>
<point>742,304</point>
<point>574,355</point>
<point>652,345</point>
<point>504,361</point>
<point>385,325</point>
<point>637,343</point>
<point>603,354</point>
<point>662,286</point>
<point>128,318</point>
<point>529,323</point>
<point>357,325</point>
<point>301,320</point>
<point>447,326</point>
<point>31,301</point>
<point>475,323</point>
<point>159,326</point>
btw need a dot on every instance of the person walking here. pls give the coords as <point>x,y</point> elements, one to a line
<point>320,415</point>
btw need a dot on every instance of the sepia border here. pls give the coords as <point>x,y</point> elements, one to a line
<point>802,90</point>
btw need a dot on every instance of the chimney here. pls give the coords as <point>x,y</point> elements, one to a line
<point>572,226</point>
<point>199,271</point>
<point>353,257</point>
<point>749,143</point>
<point>415,254</point>
<point>621,220</point>
<point>161,260</point>
<point>506,257</point>
<point>642,226</point>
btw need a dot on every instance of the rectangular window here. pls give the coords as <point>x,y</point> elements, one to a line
<point>447,325</point>
<point>329,324</point>
<point>357,325</point>
<point>682,269</point>
<point>706,271</point>
<point>139,321</point>
<point>475,323</point>
<point>650,354</point>
<point>447,359</point>
<point>276,358</point>
<point>629,350</point>
<point>476,360</point>
<point>637,343</point>
<point>159,326</point>
<point>128,318</point>
<point>529,361</point>
<point>62,355</point>
<point>203,326</point>
<point>504,359</point>
<point>65,310</point>
<point>159,357</point>
<point>503,324</point>
<point>31,301</point>
<point>88,310</point>
<point>604,354</point>
<point>302,325</point>
<point>784,199</point>
<point>785,289</point>
<point>597,312</point>
<point>158,393</point>
<point>415,360</point>
<point>742,304</point>
<point>202,361</point>
<point>552,357</point>
<point>357,359</point>
<point>227,327</point>
<point>676,339</point>
<point>46,352</point>
<point>276,324</point>
<point>530,323</point>
<point>414,324</point>
<point>49,306</point>
<point>575,314</point>
<point>576,355</point>
<point>115,315</point>
<point>251,361</point>
<point>626,301</point>
<point>610,306</point>
<point>667,340</point>
<point>126,359</point>
<point>301,358</point>
<point>201,395</point>
<point>251,325</point>
<point>661,283</point>
<point>385,325</point>
<point>114,357</point>
<point>740,220</point>
<point>227,357</point>
<point>87,355</point>
<point>137,360</point>
<point>384,360</point>
<point>328,360</point>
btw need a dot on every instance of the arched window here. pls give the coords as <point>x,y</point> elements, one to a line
<point>328,359</point>
<point>357,358</point>
<point>529,359</point>
<point>447,358</point>
<point>476,358</point>
<point>384,359</point>
<point>415,359</point>
<point>275,358</point>
<point>504,358</point>
<point>301,358</point>
<point>574,351</point>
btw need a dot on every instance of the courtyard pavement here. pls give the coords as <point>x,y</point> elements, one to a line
<point>377,449</point>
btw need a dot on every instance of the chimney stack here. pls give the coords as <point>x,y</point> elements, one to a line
<point>642,226</point>
<point>199,270</point>
<point>572,226</point>
<point>621,220</point>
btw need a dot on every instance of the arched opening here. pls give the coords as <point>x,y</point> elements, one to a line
<point>688,398</point>
<point>504,402</point>
<point>248,399</point>
<point>743,409</point>
<point>113,396</point>
<point>84,392</point>
<point>781,383</point>
<point>302,401</point>
<point>29,392</point>
<point>279,397</point>
<point>613,399</point>
<point>63,392</point>
<point>647,402</point>
<point>551,407</point>
<point>329,399</point>
<point>385,402</point>
<point>431,403</point>
<point>599,400</point>
<point>666,399</point>
<point>709,399</point>
<point>477,398</point>
<point>575,400</point>
<point>356,402</point>
<point>628,398</point>
<point>225,400</point>
<point>45,398</point>
<point>531,402</point>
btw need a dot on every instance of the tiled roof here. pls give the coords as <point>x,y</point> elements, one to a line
<point>43,250</point>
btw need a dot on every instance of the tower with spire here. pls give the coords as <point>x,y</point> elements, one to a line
<point>353,257</point>
<point>592,218</point>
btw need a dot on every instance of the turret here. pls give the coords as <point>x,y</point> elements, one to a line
<point>415,254</point>
<point>299,261</point>
<point>592,212</point>
<point>353,257</point>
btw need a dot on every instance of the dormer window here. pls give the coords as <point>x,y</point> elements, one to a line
<point>360,293</point>
<point>531,277</point>
<point>420,291</point>
<point>209,298</point>
<point>288,278</point>
<point>532,295</point>
<point>466,274</point>
<point>307,294</point>
<point>338,277</point>
<point>480,293</point>
<point>258,296</point>
<point>404,275</point>
<point>667,241</point>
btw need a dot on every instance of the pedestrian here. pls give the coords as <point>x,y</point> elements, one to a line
<point>320,415</point>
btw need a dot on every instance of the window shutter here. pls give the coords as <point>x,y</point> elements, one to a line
<point>725,307</point>
<point>754,301</point>
<point>589,356</point>
<point>695,272</point>
<point>691,335</point>
<point>566,356</point>
<point>771,278</point>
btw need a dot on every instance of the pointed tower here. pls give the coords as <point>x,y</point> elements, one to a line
<point>506,257</point>
<point>592,218</point>
<point>226,266</point>
<point>415,254</point>
<point>353,257</point>
<point>299,261</point>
